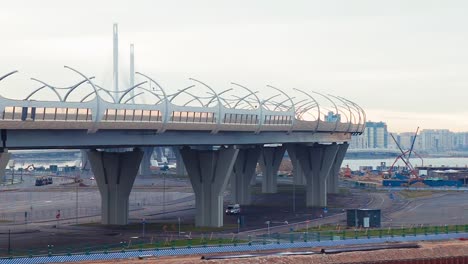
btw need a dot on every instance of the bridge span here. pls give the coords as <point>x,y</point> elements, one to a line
<point>221,136</point>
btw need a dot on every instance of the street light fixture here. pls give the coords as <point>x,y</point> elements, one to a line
<point>268,227</point>
<point>11,164</point>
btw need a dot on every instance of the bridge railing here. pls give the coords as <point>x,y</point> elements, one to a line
<point>215,111</point>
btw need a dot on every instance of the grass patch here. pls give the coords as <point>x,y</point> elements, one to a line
<point>348,233</point>
<point>185,243</point>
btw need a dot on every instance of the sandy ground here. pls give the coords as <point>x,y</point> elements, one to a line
<point>428,250</point>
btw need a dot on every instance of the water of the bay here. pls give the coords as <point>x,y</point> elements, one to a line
<point>355,163</point>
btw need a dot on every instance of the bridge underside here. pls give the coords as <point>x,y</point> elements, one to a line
<point>313,153</point>
<point>81,139</point>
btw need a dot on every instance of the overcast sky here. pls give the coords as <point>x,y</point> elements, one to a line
<point>405,62</point>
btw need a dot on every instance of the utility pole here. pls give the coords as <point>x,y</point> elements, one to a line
<point>294,195</point>
<point>178,219</point>
<point>76,204</point>
<point>9,242</point>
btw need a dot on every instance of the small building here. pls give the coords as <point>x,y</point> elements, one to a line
<point>363,218</point>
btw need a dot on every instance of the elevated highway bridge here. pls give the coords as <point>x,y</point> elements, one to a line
<point>219,135</point>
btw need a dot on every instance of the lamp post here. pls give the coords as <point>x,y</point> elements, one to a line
<point>268,228</point>
<point>178,220</point>
<point>22,169</point>
<point>294,195</point>
<point>76,204</point>
<point>9,242</point>
<point>165,169</point>
<point>11,164</point>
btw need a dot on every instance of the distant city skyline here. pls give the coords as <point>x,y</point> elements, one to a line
<point>404,62</point>
<point>377,135</point>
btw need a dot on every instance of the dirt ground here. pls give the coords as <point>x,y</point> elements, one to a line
<point>428,250</point>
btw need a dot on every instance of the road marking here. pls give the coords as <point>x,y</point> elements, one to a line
<point>415,207</point>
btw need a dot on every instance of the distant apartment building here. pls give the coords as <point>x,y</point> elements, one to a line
<point>332,117</point>
<point>436,140</point>
<point>427,141</point>
<point>460,141</point>
<point>375,136</point>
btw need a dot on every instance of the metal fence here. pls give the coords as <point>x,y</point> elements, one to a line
<point>304,237</point>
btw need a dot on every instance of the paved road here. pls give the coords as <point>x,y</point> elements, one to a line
<point>146,201</point>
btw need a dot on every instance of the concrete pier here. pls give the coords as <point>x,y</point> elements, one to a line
<point>115,174</point>
<point>145,166</point>
<point>333,177</point>
<point>298,175</point>
<point>209,172</point>
<point>242,174</point>
<point>180,165</point>
<point>85,165</point>
<point>316,162</point>
<point>4,159</point>
<point>270,161</point>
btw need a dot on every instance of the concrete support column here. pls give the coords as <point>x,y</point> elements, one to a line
<point>4,159</point>
<point>316,162</point>
<point>160,153</point>
<point>145,166</point>
<point>115,173</point>
<point>180,165</point>
<point>85,165</point>
<point>333,177</point>
<point>209,172</point>
<point>242,174</point>
<point>298,175</point>
<point>269,163</point>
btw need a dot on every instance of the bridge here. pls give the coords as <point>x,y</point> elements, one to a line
<point>220,135</point>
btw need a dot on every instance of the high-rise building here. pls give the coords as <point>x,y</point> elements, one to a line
<point>436,140</point>
<point>375,136</point>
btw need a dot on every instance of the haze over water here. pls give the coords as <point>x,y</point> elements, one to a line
<point>355,163</point>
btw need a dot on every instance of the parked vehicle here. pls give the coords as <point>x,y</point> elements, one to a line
<point>233,209</point>
<point>43,181</point>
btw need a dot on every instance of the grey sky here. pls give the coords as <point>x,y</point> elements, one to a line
<point>404,62</point>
